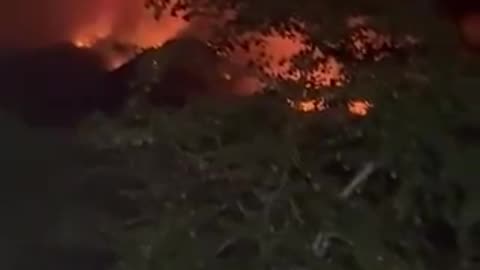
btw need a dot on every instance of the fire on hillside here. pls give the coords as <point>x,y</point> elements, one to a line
<point>122,29</point>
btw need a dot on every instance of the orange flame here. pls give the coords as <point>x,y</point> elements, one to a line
<point>146,31</point>
<point>359,107</point>
<point>310,105</point>
<point>273,54</point>
<point>356,107</point>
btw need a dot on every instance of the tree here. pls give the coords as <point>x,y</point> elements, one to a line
<point>395,189</point>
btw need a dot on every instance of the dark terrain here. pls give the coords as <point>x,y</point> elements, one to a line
<point>57,85</point>
<point>240,184</point>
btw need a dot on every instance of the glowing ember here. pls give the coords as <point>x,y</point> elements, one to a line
<point>311,105</point>
<point>356,107</point>
<point>359,107</point>
<point>82,44</point>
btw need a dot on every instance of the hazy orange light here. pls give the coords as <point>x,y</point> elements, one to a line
<point>81,44</point>
<point>145,31</point>
<point>359,107</point>
<point>310,105</point>
<point>272,53</point>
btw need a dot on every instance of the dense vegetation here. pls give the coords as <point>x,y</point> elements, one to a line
<point>252,184</point>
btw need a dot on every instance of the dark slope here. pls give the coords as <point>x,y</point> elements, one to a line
<point>180,69</point>
<point>56,85</point>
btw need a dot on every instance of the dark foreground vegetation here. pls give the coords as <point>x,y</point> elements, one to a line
<point>249,183</point>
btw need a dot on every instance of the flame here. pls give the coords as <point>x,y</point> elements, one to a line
<point>89,34</point>
<point>143,29</point>
<point>80,43</point>
<point>355,107</point>
<point>273,54</point>
<point>359,107</point>
<point>310,105</point>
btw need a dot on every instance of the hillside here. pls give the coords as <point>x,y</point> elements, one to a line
<point>239,182</point>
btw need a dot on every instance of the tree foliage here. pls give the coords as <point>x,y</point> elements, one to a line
<point>251,183</point>
<point>258,185</point>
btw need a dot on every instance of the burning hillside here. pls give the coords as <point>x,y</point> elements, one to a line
<point>120,30</point>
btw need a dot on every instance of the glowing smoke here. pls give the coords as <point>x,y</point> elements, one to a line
<point>26,23</point>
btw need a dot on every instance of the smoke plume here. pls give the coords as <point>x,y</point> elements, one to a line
<point>39,23</point>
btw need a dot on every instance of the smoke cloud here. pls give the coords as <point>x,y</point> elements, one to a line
<point>38,23</point>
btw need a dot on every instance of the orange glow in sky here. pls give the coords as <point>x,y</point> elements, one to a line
<point>272,53</point>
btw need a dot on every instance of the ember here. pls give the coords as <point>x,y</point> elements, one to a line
<point>359,107</point>
<point>310,105</point>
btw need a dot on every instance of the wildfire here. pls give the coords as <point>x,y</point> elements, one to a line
<point>133,26</point>
<point>273,55</point>
<point>86,42</point>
